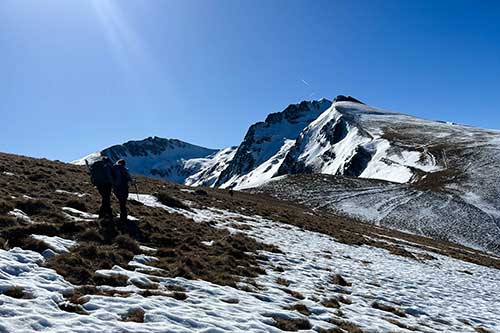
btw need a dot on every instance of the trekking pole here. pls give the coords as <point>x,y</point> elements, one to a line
<point>88,166</point>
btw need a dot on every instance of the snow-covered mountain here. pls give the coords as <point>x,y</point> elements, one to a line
<point>448,172</point>
<point>266,144</point>
<point>168,159</point>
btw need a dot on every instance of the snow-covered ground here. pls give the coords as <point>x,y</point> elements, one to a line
<point>19,214</point>
<point>441,295</point>
<point>433,214</point>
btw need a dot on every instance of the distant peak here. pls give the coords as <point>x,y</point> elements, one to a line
<point>293,111</point>
<point>343,98</point>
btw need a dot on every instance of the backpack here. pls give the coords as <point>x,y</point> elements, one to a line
<point>101,172</point>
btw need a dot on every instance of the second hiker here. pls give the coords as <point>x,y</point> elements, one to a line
<point>102,177</point>
<point>120,186</point>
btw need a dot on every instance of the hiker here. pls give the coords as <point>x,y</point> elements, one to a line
<point>101,176</point>
<point>120,187</point>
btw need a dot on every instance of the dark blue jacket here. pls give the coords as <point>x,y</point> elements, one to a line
<point>121,178</point>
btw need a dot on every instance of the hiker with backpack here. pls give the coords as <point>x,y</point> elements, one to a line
<point>120,187</point>
<point>101,176</point>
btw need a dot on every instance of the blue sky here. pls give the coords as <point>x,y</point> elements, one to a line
<point>80,75</point>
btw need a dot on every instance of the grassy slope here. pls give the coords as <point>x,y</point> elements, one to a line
<point>178,239</point>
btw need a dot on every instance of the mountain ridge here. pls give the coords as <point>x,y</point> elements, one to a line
<point>347,138</point>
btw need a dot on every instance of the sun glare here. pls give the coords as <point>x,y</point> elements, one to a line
<point>126,45</point>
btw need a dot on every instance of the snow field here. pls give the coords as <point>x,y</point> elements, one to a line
<point>432,296</point>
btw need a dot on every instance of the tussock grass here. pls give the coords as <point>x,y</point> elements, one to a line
<point>170,201</point>
<point>292,324</point>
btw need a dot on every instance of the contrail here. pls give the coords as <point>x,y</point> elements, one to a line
<point>305,82</point>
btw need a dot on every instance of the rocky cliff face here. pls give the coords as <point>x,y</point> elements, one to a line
<point>264,140</point>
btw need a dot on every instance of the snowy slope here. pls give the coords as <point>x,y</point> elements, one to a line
<point>441,215</point>
<point>168,159</point>
<point>348,139</point>
<point>209,168</point>
<point>384,292</point>
<point>452,185</point>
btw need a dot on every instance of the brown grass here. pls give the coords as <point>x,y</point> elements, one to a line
<point>346,325</point>
<point>101,244</point>
<point>400,324</point>
<point>178,239</point>
<point>283,282</point>
<point>135,315</point>
<point>294,293</point>
<point>388,308</point>
<point>299,307</point>
<point>17,292</point>
<point>169,200</point>
<point>330,303</point>
<point>339,280</point>
<point>292,324</point>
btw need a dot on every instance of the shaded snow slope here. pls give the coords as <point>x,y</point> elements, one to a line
<point>168,159</point>
<point>440,215</point>
<point>384,292</point>
<point>210,167</point>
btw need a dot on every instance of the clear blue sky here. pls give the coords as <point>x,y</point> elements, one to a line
<point>80,75</point>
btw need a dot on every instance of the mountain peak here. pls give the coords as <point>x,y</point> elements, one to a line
<point>343,98</point>
<point>294,111</point>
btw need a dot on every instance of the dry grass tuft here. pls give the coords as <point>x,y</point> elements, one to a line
<point>292,324</point>
<point>135,315</point>
<point>294,293</point>
<point>388,308</point>
<point>346,325</point>
<point>339,280</point>
<point>299,307</point>
<point>331,303</point>
<point>17,292</point>
<point>170,201</point>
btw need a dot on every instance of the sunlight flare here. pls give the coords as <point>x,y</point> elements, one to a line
<point>125,43</point>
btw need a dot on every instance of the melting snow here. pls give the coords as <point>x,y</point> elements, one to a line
<point>55,243</point>
<point>78,215</point>
<point>80,195</point>
<point>19,214</point>
<point>435,296</point>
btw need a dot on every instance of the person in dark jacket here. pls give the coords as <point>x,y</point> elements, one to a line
<point>102,177</point>
<point>120,187</point>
